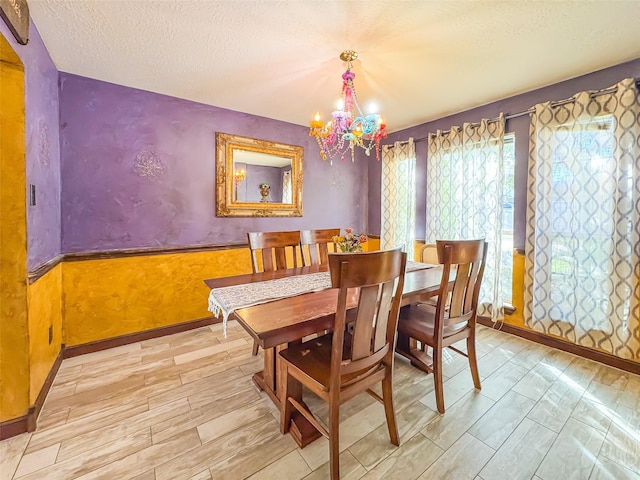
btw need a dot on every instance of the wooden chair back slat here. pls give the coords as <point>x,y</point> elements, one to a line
<point>468,258</point>
<point>380,277</point>
<point>280,255</point>
<point>473,281</point>
<point>267,261</point>
<point>271,249</point>
<point>315,245</point>
<point>382,320</point>
<point>459,290</point>
<point>363,328</point>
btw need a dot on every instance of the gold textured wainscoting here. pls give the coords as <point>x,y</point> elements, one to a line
<point>106,298</point>
<point>517,292</point>
<point>371,245</point>
<point>45,311</point>
<point>14,337</point>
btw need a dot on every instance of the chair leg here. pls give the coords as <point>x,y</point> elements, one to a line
<point>437,378</point>
<point>254,349</point>
<point>334,437</point>
<point>389,411</point>
<point>286,408</point>
<point>473,362</point>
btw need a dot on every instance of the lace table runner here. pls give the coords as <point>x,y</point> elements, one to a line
<point>226,300</point>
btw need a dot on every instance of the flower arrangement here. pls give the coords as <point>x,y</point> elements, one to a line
<point>264,192</point>
<point>350,242</point>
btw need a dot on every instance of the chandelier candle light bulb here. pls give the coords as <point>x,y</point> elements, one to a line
<point>316,123</point>
<point>349,127</point>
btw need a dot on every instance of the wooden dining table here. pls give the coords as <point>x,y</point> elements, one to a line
<point>288,320</point>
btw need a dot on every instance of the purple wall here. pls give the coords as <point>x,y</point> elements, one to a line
<point>519,126</point>
<point>42,146</point>
<point>138,171</point>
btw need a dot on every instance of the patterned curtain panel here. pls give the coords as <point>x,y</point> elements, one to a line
<point>398,196</point>
<point>582,267</point>
<point>465,177</point>
<point>287,193</point>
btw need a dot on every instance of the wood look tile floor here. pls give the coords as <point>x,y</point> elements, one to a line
<point>184,407</point>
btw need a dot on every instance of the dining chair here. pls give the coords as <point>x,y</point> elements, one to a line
<point>269,252</point>
<point>429,254</point>
<point>453,318</point>
<point>315,245</point>
<point>339,365</point>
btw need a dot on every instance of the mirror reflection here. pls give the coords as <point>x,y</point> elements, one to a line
<point>260,177</point>
<point>257,177</point>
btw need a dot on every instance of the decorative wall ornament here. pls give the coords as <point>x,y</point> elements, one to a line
<point>91,105</point>
<point>178,128</point>
<point>337,182</point>
<point>148,164</point>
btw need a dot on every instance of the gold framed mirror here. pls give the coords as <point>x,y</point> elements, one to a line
<point>257,178</point>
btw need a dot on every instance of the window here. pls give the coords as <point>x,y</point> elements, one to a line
<point>398,196</point>
<point>508,189</point>
<point>583,220</point>
<point>466,183</point>
<point>582,199</point>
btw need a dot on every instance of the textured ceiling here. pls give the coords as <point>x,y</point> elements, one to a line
<point>419,60</point>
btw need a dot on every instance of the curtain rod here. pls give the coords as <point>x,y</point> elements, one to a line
<point>532,109</point>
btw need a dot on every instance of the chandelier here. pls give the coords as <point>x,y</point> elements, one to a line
<point>348,127</point>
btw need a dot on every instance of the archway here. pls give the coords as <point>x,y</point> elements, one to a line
<point>14,338</point>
